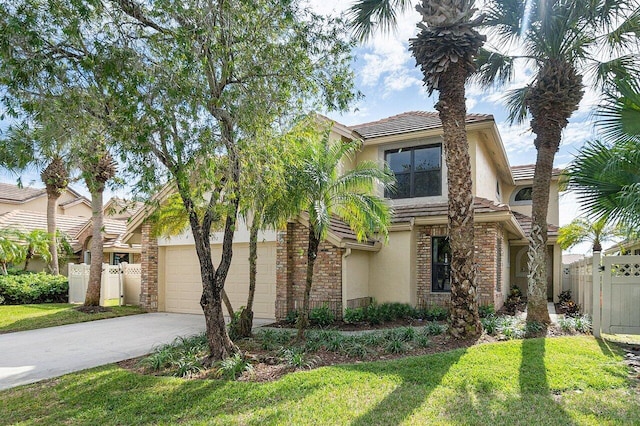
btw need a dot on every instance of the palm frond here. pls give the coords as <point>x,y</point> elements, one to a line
<point>516,105</point>
<point>493,68</point>
<point>368,15</point>
<point>619,116</point>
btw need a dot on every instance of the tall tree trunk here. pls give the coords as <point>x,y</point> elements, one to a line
<point>27,259</point>
<point>464,320</point>
<point>312,254</point>
<point>537,279</point>
<point>97,249</point>
<point>52,207</point>
<point>246,317</point>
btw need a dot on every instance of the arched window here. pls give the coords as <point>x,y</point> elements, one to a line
<point>522,195</point>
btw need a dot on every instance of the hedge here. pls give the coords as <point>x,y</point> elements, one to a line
<point>33,288</point>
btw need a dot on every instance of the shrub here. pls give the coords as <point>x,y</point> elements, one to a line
<point>292,317</point>
<point>486,310</point>
<point>181,358</point>
<point>423,341</point>
<point>570,308</point>
<point>296,356</point>
<point>373,315</point>
<point>34,288</point>
<point>580,324</point>
<point>371,339</point>
<point>321,316</point>
<point>435,313</point>
<point>395,346</point>
<point>490,324</point>
<point>353,315</point>
<point>232,367</point>
<point>433,329</point>
<point>353,348</point>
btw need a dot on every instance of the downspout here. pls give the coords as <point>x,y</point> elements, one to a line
<point>347,253</point>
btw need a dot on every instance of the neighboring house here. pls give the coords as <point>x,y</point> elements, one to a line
<point>412,268</point>
<point>70,203</point>
<point>629,246</point>
<point>25,209</point>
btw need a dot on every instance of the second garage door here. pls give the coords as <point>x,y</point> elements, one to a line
<point>183,286</point>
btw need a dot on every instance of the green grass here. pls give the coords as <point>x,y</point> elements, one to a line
<point>30,317</point>
<point>558,381</point>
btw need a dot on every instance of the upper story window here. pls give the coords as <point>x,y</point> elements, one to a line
<point>418,171</point>
<point>522,195</point>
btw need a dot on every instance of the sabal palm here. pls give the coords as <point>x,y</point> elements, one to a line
<point>556,39</point>
<point>317,187</point>
<point>445,49</point>
<point>582,230</point>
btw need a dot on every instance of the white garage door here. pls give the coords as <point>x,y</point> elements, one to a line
<point>183,286</point>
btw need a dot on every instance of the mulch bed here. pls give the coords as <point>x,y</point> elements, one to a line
<point>92,309</point>
<point>341,326</point>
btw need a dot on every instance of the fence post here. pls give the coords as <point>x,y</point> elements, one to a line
<point>597,284</point>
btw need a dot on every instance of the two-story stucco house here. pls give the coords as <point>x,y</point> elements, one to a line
<point>413,267</point>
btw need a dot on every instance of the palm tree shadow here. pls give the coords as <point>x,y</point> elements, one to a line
<point>420,376</point>
<point>533,380</point>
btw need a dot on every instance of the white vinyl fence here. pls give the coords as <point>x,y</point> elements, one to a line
<point>608,288</point>
<point>120,283</point>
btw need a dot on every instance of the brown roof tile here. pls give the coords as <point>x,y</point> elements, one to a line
<point>526,172</point>
<point>525,223</point>
<point>26,221</point>
<point>14,194</point>
<point>405,213</point>
<point>412,121</point>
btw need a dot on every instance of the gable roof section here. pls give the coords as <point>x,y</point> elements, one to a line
<point>526,221</point>
<point>27,221</point>
<point>526,172</point>
<point>13,194</point>
<point>408,122</point>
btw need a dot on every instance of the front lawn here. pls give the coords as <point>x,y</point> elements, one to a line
<point>545,381</point>
<point>30,317</point>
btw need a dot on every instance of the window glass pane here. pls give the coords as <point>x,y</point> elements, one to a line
<point>524,194</point>
<point>403,186</point>
<point>441,257</point>
<point>427,158</point>
<point>427,184</point>
<point>399,161</point>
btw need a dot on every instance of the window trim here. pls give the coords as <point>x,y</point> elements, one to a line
<point>412,172</point>
<point>515,192</point>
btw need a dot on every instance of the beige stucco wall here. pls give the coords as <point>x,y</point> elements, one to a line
<point>80,209</point>
<point>355,275</point>
<point>483,170</point>
<point>553,214</point>
<point>391,278</point>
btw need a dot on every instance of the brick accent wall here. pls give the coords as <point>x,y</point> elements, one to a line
<point>291,270</point>
<point>149,270</point>
<point>488,242</point>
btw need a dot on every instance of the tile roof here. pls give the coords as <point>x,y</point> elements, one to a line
<point>526,172</point>
<point>26,221</point>
<point>344,232</point>
<point>525,223</point>
<point>406,213</point>
<point>14,194</point>
<point>114,230</point>
<point>412,121</point>
<point>119,208</point>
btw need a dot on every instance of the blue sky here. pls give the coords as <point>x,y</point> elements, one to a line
<point>391,84</point>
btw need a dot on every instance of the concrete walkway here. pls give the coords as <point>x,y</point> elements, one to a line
<point>30,356</point>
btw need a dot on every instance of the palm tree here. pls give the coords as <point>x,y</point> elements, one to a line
<point>445,50</point>
<point>606,175</point>
<point>606,179</point>
<point>37,244</point>
<point>317,187</point>
<point>97,169</point>
<point>56,179</point>
<point>556,39</point>
<point>10,250</point>
<point>581,230</point>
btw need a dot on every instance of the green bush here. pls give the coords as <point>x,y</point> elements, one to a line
<point>292,317</point>
<point>321,316</point>
<point>353,315</point>
<point>33,288</point>
<point>486,310</point>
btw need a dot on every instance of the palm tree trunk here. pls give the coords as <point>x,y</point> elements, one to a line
<point>27,259</point>
<point>312,254</point>
<point>246,317</point>
<point>97,249</point>
<point>52,207</point>
<point>537,279</point>
<point>463,320</point>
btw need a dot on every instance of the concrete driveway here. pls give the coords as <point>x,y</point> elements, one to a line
<point>30,356</point>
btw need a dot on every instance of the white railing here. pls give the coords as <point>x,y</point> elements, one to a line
<point>120,283</point>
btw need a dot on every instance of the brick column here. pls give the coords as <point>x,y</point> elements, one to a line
<point>149,273</point>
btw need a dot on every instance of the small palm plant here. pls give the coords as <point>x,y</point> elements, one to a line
<point>318,188</point>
